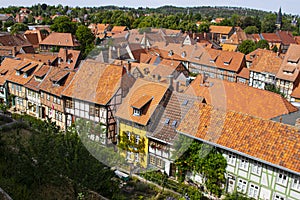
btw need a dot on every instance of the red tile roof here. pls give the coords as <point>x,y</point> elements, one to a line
<point>240,98</point>
<point>142,88</point>
<point>95,82</point>
<point>264,140</point>
<point>265,61</point>
<point>6,68</point>
<point>286,37</point>
<point>292,54</point>
<point>60,39</point>
<point>220,29</point>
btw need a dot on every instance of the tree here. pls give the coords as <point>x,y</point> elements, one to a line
<point>203,159</point>
<point>203,28</point>
<point>263,44</point>
<point>247,46</point>
<point>86,39</point>
<point>16,28</point>
<point>63,24</point>
<point>251,30</point>
<point>268,24</point>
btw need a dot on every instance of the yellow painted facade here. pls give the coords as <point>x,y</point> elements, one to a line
<point>132,157</point>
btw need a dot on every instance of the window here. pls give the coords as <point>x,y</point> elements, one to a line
<point>136,157</point>
<point>185,102</point>
<point>58,116</point>
<point>242,186</point>
<point>167,121</point>
<point>58,101</point>
<point>92,110</point>
<point>136,112</point>
<point>48,97</point>
<point>296,183</point>
<point>137,139</point>
<point>152,160</point>
<point>256,168</point>
<point>281,178</point>
<point>253,191</point>
<point>231,159</point>
<point>42,95</point>
<point>174,123</point>
<point>69,104</point>
<point>278,197</point>
<point>97,111</point>
<point>244,163</point>
<point>54,99</point>
<point>160,163</point>
<point>128,157</point>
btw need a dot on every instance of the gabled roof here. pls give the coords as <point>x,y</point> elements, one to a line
<point>220,29</point>
<point>34,84</point>
<point>244,73</point>
<point>166,67</point>
<point>13,40</point>
<point>23,67</point>
<point>265,61</point>
<point>231,61</point>
<point>292,54</point>
<point>95,82</point>
<point>286,37</point>
<point>55,75</point>
<point>263,140</point>
<point>270,37</point>
<point>60,39</point>
<point>44,58</point>
<point>240,98</point>
<point>118,29</point>
<point>175,111</point>
<point>69,58</point>
<point>142,88</point>
<point>6,68</point>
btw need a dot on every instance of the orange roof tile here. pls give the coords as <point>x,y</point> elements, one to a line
<point>265,61</point>
<point>24,67</point>
<point>240,98</point>
<point>95,82</point>
<point>37,57</point>
<point>60,39</point>
<point>293,53</point>
<point>296,92</point>
<point>6,68</point>
<point>272,142</point>
<point>220,29</point>
<point>56,74</point>
<point>69,58</point>
<point>231,61</point>
<point>244,73</point>
<point>118,29</point>
<point>140,88</point>
<point>34,84</point>
<point>142,101</point>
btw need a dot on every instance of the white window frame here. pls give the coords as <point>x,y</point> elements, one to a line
<point>128,156</point>
<point>244,163</point>
<point>256,168</point>
<point>296,183</point>
<point>136,112</point>
<point>281,178</point>
<point>231,159</point>
<point>253,191</point>
<point>136,157</point>
<point>278,197</point>
<point>242,186</point>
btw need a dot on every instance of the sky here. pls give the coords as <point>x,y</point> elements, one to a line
<point>287,6</point>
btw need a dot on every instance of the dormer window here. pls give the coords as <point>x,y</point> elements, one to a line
<point>25,75</point>
<point>171,53</point>
<point>18,73</point>
<point>183,54</point>
<point>227,61</point>
<point>136,112</point>
<point>140,105</point>
<point>293,60</point>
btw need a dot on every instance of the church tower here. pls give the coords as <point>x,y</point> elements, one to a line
<point>279,19</point>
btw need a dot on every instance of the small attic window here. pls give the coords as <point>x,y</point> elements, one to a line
<point>167,121</point>
<point>171,53</point>
<point>18,73</point>
<point>183,54</point>
<point>137,112</point>
<point>185,102</point>
<point>174,123</point>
